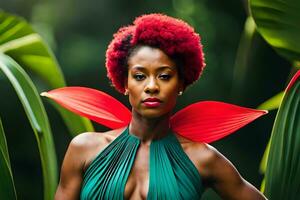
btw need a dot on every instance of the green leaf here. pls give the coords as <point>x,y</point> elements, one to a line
<point>36,114</point>
<point>20,42</point>
<point>264,160</point>
<point>282,176</point>
<point>242,56</point>
<point>296,64</point>
<point>278,21</point>
<point>272,103</point>
<point>26,47</point>
<point>7,187</point>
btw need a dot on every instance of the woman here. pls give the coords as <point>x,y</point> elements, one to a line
<point>151,61</point>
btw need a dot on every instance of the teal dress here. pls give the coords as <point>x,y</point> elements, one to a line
<point>172,174</point>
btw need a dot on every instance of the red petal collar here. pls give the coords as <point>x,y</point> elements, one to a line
<point>205,121</point>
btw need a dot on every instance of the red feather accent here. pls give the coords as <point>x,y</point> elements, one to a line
<point>205,121</point>
<point>93,104</point>
<point>209,121</point>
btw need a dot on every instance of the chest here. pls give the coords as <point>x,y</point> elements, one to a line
<point>127,170</point>
<point>137,185</point>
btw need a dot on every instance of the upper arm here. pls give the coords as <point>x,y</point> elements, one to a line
<point>226,180</point>
<point>71,170</point>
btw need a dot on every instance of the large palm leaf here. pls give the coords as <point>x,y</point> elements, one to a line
<point>36,114</point>
<point>278,21</point>
<point>283,167</point>
<point>21,48</point>
<point>19,41</point>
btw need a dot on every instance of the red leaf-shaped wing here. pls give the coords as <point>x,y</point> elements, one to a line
<point>209,121</point>
<point>93,104</point>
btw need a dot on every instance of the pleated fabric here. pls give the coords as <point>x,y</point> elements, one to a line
<point>172,174</point>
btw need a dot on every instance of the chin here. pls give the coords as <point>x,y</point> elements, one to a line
<point>152,114</point>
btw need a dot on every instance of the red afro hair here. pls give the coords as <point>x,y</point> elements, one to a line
<point>173,36</point>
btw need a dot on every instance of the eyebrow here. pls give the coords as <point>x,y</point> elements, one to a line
<point>141,68</point>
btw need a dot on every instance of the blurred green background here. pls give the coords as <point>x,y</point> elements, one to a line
<point>79,31</point>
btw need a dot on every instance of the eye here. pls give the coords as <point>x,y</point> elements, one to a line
<point>138,77</point>
<point>165,76</point>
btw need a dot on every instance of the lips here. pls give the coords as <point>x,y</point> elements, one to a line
<point>152,102</point>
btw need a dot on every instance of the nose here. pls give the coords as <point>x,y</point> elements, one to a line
<point>151,86</point>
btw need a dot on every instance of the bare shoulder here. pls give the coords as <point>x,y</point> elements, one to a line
<point>87,145</point>
<point>199,150</point>
<point>90,140</point>
<point>203,155</point>
<point>206,153</point>
<point>81,151</point>
<point>218,172</point>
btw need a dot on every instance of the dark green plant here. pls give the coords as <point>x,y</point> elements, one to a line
<point>7,186</point>
<point>279,24</point>
<point>282,174</point>
<point>21,48</point>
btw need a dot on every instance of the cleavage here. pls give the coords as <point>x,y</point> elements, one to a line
<point>137,185</point>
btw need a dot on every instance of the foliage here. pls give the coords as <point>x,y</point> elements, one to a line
<point>279,24</point>
<point>38,119</point>
<point>272,103</point>
<point>21,47</point>
<point>7,187</point>
<point>283,172</point>
<point>20,42</point>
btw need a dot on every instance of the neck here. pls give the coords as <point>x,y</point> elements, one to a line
<point>149,129</point>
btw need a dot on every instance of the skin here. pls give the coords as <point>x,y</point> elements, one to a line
<point>151,73</point>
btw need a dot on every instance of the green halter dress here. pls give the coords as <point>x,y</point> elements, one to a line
<point>172,174</point>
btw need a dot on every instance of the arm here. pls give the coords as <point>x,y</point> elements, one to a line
<point>226,181</point>
<point>71,171</point>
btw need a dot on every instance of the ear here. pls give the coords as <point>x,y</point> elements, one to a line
<point>126,83</point>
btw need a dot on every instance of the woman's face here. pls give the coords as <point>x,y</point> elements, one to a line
<point>153,82</point>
